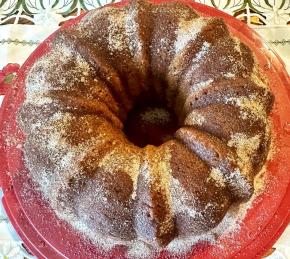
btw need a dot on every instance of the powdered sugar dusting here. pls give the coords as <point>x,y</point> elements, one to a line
<point>65,158</point>
<point>194,118</point>
<point>229,75</point>
<point>218,177</point>
<point>140,249</point>
<point>117,40</point>
<point>250,106</point>
<point>180,200</point>
<point>228,227</point>
<point>187,32</point>
<point>237,45</point>
<point>240,181</point>
<point>124,32</point>
<point>246,148</point>
<point>38,80</point>
<point>259,79</point>
<point>132,30</point>
<point>202,85</point>
<point>204,49</point>
<point>123,158</point>
<point>162,171</point>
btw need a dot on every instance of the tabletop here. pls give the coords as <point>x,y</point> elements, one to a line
<point>24,24</point>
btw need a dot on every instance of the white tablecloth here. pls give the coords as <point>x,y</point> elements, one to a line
<point>18,41</point>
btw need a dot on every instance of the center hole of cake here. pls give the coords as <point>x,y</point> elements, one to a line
<point>150,123</point>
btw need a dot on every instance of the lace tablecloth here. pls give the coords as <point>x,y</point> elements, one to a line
<point>25,23</point>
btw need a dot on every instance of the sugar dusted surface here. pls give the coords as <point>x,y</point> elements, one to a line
<point>187,32</point>
<point>180,199</point>
<point>250,107</point>
<point>194,118</point>
<point>117,40</point>
<point>123,38</point>
<point>202,85</point>
<point>229,226</point>
<point>246,148</point>
<point>218,177</point>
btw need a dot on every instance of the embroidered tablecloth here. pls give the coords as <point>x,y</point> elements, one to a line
<point>26,23</point>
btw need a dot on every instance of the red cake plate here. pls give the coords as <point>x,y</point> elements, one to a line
<point>47,236</point>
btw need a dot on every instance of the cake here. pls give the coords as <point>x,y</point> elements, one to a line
<point>145,122</point>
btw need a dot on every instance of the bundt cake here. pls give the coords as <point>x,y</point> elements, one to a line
<point>145,122</point>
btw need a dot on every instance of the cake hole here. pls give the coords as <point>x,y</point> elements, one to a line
<point>150,122</point>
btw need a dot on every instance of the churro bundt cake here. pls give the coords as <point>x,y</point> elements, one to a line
<point>145,122</point>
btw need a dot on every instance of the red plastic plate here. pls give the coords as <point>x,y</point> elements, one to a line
<point>47,236</point>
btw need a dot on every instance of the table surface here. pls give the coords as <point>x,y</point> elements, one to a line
<point>25,23</point>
